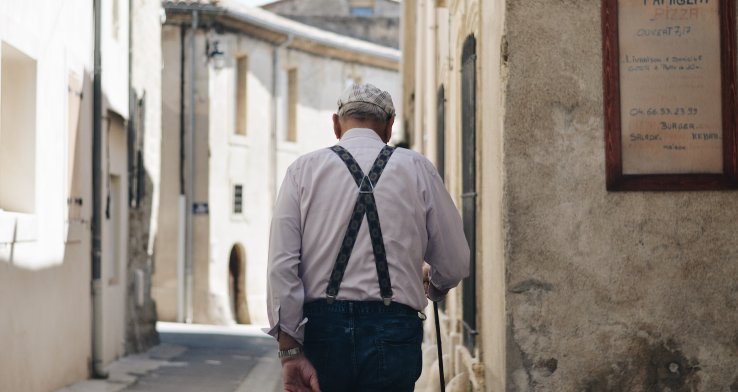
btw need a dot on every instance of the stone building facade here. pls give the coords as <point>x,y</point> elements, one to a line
<point>248,92</point>
<point>574,288</point>
<point>376,21</point>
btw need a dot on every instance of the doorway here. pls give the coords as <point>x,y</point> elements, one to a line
<point>237,285</point>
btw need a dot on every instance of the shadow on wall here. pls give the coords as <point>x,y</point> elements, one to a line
<point>141,319</point>
<point>237,285</point>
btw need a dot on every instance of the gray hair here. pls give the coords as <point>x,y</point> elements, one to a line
<point>363,111</point>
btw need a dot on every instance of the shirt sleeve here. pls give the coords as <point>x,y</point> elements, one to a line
<point>285,292</point>
<point>448,251</point>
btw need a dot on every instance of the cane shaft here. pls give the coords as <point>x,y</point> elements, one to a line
<point>440,350</point>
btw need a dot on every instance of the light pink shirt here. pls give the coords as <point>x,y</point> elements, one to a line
<point>418,218</point>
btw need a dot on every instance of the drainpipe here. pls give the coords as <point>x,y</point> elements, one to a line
<point>96,249</point>
<point>181,229</point>
<point>191,171</point>
<point>273,134</point>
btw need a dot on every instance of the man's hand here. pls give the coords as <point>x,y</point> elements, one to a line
<point>432,292</point>
<point>426,277</point>
<point>299,375</point>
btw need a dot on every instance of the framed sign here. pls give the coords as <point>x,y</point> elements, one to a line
<point>670,94</point>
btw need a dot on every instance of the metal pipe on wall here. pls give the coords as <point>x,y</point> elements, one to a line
<point>182,212</point>
<point>191,171</point>
<point>96,228</point>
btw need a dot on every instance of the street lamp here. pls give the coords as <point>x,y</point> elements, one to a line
<point>217,56</point>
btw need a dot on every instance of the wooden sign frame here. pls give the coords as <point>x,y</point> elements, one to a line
<point>616,180</point>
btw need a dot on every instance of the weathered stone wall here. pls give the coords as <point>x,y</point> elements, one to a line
<point>606,291</point>
<point>141,331</point>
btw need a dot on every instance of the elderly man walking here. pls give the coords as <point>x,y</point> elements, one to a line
<point>352,227</point>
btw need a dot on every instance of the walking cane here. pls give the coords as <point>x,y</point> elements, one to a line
<point>440,350</point>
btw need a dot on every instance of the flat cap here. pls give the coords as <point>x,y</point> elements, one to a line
<point>367,93</point>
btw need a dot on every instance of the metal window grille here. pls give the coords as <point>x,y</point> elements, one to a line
<point>469,185</point>
<point>238,199</point>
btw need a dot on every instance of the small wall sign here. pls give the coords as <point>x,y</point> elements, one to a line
<point>670,94</point>
<point>200,208</point>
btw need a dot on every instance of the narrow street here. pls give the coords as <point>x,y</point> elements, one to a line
<point>196,358</point>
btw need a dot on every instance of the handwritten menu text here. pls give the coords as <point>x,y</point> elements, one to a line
<point>670,90</point>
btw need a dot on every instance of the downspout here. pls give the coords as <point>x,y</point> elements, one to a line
<point>273,134</point>
<point>181,227</point>
<point>96,251</point>
<point>191,169</point>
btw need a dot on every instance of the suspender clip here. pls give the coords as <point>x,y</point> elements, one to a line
<point>387,301</point>
<point>361,186</point>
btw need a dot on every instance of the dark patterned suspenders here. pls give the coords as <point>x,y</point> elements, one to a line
<point>365,204</point>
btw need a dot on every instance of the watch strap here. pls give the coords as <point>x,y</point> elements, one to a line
<point>293,352</point>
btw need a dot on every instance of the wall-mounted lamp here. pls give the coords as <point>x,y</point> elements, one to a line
<point>217,56</point>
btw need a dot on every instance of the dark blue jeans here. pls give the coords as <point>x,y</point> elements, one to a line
<point>364,346</point>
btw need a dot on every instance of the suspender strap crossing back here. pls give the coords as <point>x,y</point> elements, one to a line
<point>365,205</point>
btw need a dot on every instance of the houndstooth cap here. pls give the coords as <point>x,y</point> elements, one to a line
<point>367,93</point>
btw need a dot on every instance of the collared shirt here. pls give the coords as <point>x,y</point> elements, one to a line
<point>418,219</point>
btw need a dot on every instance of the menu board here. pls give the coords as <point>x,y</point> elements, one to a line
<point>670,94</point>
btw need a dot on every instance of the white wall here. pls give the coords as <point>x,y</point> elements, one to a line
<point>45,273</point>
<point>44,280</point>
<point>114,240</point>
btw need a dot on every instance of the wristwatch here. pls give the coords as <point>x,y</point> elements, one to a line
<point>293,352</point>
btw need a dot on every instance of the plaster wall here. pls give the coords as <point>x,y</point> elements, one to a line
<point>242,160</point>
<point>114,230</point>
<point>202,311</point>
<point>631,291</point>
<point>491,269</point>
<point>164,280</point>
<point>44,271</point>
<point>114,38</point>
<point>320,81</point>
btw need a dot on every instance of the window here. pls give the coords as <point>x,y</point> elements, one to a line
<point>238,199</point>
<point>469,185</point>
<point>17,130</point>
<point>441,132</point>
<point>242,69</point>
<point>292,105</point>
<point>362,8</point>
<point>364,12</point>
